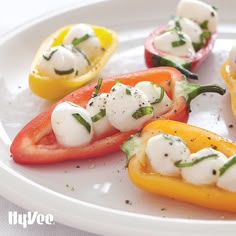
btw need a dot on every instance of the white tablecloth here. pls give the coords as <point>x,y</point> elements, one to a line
<point>12,14</point>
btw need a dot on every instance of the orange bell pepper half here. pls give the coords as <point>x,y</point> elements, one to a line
<point>141,174</point>
<point>37,144</point>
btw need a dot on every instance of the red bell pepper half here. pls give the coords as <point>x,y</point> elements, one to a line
<point>37,144</point>
<point>156,58</point>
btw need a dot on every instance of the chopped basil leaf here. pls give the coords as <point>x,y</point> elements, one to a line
<point>128,91</point>
<point>177,25</point>
<point>117,81</point>
<point>142,111</point>
<point>178,43</point>
<point>48,58</point>
<point>72,104</point>
<point>205,36</point>
<point>188,164</point>
<point>158,100</point>
<point>227,165</point>
<point>64,72</point>
<point>77,41</point>
<point>172,138</point>
<point>215,8</point>
<point>204,25</point>
<point>84,55</point>
<point>97,88</point>
<point>99,115</point>
<point>82,121</point>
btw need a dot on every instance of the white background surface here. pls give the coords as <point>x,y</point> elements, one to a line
<point>14,13</point>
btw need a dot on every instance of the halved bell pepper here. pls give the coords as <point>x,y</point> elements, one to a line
<point>36,142</point>
<point>51,88</point>
<point>141,174</point>
<point>229,77</point>
<point>155,58</point>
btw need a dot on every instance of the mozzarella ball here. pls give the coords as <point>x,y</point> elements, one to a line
<point>164,42</point>
<point>71,124</point>
<point>95,106</point>
<point>189,27</point>
<point>154,93</point>
<point>60,62</point>
<point>227,180</point>
<point>91,46</point>
<point>163,151</point>
<point>128,108</point>
<point>205,171</point>
<point>200,12</point>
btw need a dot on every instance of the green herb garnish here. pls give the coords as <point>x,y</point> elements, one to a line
<point>142,111</point>
<point>181,40</point>
<point>97,87</point>
<point>177,25</point>
<point>64,72</point>
<point>128,91</point>
<point>158,100</point>
<point>82,121</point>
<point>188,164</point>
<point>204,25</point>
<point>84,55</point>
<point>227,165</point>
<point>77,41</point>
<point>99,115</point>
<point>50,55</point>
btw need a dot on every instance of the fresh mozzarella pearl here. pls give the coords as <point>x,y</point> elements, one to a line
<point>227,180</point>
<point>122,103</point>
<point>205,171</point>
<point>189,27</point>
<point>68,130</point>
<point>153,92</point>
<point>199,12</point>
<point>91,46</point>
<point>95,105</point>
<point>163,151</point>
<point>62,59</point>
<point>232,57</point>
<point>163,42</point>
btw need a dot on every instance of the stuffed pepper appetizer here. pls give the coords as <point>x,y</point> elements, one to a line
<point>95,119</point>
<point>184,162</point>
<point>70,58</point>
<point>186,40</point>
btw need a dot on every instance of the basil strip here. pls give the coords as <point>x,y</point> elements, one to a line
<point>97,87</point>
<point>188,164</point>
<point>142,111</point>
<point>128,91</point>
<point>99,115</point>
<point>82,121</point>
<point>204,25</point>
<point>50,55</point>
<point>178,43</point>
<point>227,165</point>
<point>64,72</point>
<point>84,55</point>
<point>158,100</point>
<point>177,25</point>
<point>77,41</point>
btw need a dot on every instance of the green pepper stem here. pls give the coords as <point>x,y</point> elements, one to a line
<point>181,66</point>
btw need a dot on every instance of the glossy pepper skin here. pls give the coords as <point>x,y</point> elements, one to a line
<point>51,88</point>
<point>36,142</point>
<point>141,174</point>
<point>229,77</point>
<point>186,65</point>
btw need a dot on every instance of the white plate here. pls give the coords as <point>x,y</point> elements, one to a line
<point>91,194</point>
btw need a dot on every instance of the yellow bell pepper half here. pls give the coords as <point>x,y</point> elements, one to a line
<point>229,77</point>
<point>52,88</point>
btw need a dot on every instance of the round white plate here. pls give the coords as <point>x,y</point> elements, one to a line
<point>96,195</point>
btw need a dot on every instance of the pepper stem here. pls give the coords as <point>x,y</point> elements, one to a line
<point>163,61</point>
<point>190,90</point>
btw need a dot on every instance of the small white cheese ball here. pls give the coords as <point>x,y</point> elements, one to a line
<point>227,180</point>
<point>97,105</point>
<point>189,27</point>
<point>71,124</point>
<point>122,106</point>
<point>91,46</point>
<point>232,57</point>
<point>59,62</point>
<point>163,42</point>
<point>163,151</point>
<point>205,171</point>
<point>199,12</point>
<point>154,93</point>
